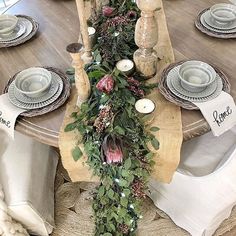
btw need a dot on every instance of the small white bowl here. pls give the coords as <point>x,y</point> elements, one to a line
<point>223,13</point>
<point>195,76</point>
<point>7,24</point>
<point>33,82</point>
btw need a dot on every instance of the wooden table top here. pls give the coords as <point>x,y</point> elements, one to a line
<point>59,26</point>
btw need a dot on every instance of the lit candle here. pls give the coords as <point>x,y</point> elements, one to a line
<point>145,106</point>
<point>92,36</point>
<point>126,66</point>
<point>91,31</point>
<point>116,33</point>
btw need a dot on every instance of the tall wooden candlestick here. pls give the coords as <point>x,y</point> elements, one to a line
<point>87,56</point>
<point>146,36</point>
<point>81,78</point>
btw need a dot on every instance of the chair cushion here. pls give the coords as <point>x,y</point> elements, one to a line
<point>27,173</point>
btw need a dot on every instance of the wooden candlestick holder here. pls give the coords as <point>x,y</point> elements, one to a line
<point>87,54</point>
<point>82,82</point>
<point>146,36</point>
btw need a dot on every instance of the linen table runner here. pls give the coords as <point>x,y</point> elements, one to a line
<point>8,115</point>
<point>220,113</point>
<point>167,118</point>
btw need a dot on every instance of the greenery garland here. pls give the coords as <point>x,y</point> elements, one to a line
<point>114,135</point>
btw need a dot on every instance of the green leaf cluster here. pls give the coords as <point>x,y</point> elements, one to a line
<point>115,203</point>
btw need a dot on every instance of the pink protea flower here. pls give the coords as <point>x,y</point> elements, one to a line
<point>132,15</point>
<point>112,149</point>
<point>106,84</point>
<point>107,11</point>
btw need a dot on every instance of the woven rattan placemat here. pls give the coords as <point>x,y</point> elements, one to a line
<point>53,106</point>
<point>165,91</point>
<point>21,39</point>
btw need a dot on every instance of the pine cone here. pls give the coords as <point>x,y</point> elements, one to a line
<point>138,189</point>
<point>123,228</point>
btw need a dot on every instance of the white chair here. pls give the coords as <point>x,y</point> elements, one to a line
<point>27,173</point>
<point>203,190</point>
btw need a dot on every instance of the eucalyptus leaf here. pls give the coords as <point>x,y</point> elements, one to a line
<point>124,202</point>
<point>155,143</point>
<point>110,194</point>
<point>119,130</point>
<point>128,164</point>
<point>70,127</point>
<point>154,129</point>
<point>101,191</point>
<point>107,234</point>
<point>77,153</point>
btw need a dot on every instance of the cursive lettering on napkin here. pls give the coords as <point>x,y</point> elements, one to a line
<point>219,118</point>
<point>4,121</point>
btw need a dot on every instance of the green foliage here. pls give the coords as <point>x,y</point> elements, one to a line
<point>115,38</point>
<point>77,153</point>
<point>115,202</point>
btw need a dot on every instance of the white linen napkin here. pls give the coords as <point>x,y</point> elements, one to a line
<point>220,113</point>
<point>8,115</point>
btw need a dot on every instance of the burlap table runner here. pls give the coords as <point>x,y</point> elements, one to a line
<point>167,118</point>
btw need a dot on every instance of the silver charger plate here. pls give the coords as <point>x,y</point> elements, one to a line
<point>202,19</point>
<point>17,32</point>
<point>173,83</point>
<point>31,106</point>
<point>28,29</point>
<point>52,90</point>
<point>211,22</point>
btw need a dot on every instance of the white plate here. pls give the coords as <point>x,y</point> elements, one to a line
<point>28,29</point>
<point>17,32</point>
<point>232,31</point>
<point>52,90</point>
<point>173,83</point>
<point>31,106</point>
<point>211,22</point>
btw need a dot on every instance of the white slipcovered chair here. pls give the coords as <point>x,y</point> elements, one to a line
<point>27,173</point>
<point>203,190</point>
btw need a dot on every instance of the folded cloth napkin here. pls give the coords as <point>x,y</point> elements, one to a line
<point>220,113</point>
<point>8,115</point>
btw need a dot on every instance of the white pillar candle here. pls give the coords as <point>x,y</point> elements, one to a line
<point>126,66</point>
<point>92,36</point>
<point>91,31</point>
<point>145,106</point>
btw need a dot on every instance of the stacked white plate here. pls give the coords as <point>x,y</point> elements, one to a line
<point>29,103</point>
<point>23,28</point>
<point>209,93</point>
<point>224,10</point>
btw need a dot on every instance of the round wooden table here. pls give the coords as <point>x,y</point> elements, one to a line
<point>59,26</point>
